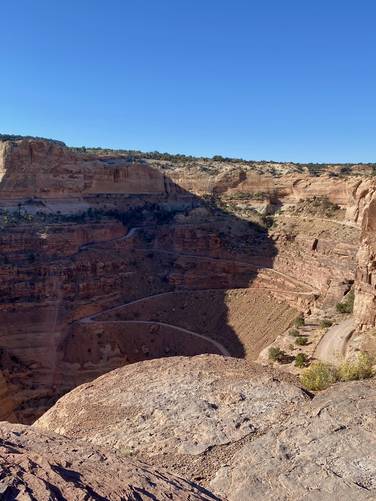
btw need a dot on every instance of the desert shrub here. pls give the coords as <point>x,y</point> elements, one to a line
<point>301,360</point>
<point>268,221</point>
<point>276,354</point>
<point>324,324</point>
<point>301,341</point>
<point>299,321</point>
<point>319,376</point>
<point>294,333</point>
<point>347,305</point>
<point>259,195</point>
<point>360,368</point>
<point>345,169</point>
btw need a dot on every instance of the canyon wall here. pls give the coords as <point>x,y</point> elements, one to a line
<point>365,297</point>
<point>34,168</point>
<point>84,233</point>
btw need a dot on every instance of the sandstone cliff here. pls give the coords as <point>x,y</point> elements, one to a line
<point>90,232</point>
<point>32,168</point>
<point>365,297</point>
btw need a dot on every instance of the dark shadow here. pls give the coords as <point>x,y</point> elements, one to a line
<point>121,248</point>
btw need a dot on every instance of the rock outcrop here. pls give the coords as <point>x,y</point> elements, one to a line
<point>177,411</point>
<point>324,452</point>
<point>35,168</point>
<point>43,466</point>
<point>365,297</point>
<point>240,429</point>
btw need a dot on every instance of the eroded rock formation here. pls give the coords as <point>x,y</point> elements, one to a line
<point>183,412</point>
<point>90,232</point>
<point>365,298</point>
<point>44,466</point>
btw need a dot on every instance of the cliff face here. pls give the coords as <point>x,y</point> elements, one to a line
<point>46,169</point>
<point>143,241</point>
<point>7,403</point>
<point>365,297</point>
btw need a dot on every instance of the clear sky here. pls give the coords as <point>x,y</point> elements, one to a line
<point>266,79</point>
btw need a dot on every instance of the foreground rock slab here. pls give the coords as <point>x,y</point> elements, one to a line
<point>40,466</point>
<point>325,452</point>
<point>179,412</point>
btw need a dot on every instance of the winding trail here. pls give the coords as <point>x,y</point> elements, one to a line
<point>219,346</point>
<point>349,224</point>
<point>92,318</point>
<point>332,346</point>
<point>246,263</point>
<point>132,231</point>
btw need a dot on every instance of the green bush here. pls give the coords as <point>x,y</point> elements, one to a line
<point>360,368</point>
<point>347,305</point>
<point>343,308</point>
<point>319,376</point>
<point>301,360</point>
<point>301,341</point>
<point>276,354</point>
<point>324,324</point>
<point>299,321</point>
<point>294,333</point>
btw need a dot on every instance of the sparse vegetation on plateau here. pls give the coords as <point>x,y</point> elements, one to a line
<point>301,341</point>
<point>17,137</point>
<point>325,323</point>
<point>359,368</point>
<point>132,216</point>
<point>294,333</point>
<point>317,206</point>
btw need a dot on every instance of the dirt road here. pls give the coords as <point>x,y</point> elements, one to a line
<point>332,346</point>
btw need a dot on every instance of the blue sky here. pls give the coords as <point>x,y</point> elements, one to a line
<point>267,79</point>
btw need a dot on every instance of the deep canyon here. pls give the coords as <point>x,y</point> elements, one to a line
<point>110,259</point>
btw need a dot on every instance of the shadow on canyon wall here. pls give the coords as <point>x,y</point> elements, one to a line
<point>197,250</point>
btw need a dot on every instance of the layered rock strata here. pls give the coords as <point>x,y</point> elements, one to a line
<point>84,232</point>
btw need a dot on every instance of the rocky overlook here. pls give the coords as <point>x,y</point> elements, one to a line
<point>137,292</point>
<point>45,466</point>
<point>243,431</point>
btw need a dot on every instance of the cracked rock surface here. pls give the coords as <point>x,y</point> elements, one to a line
<point>241,430</point>
<point>40,466</point>
<point>327,451</point>
<point>178,411</point>
<point>180,405</point>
